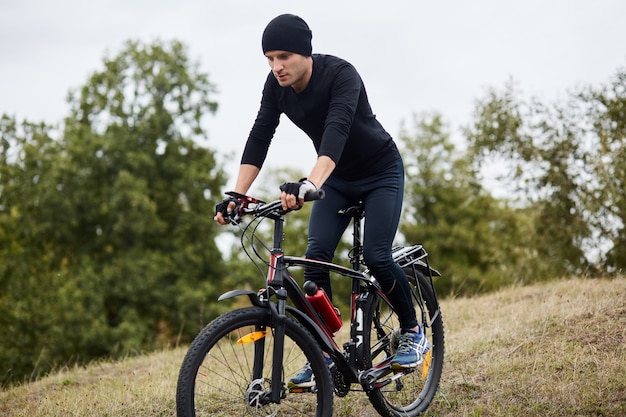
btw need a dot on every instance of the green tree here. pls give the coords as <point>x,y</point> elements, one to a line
<point>472,238</point>
<point>144,198</point>
<point>544,152</point>
<point>606,110</point>
<point>112,223</point>
<point>27,163</point>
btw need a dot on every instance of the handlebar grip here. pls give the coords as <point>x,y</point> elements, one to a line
<point>314,195</point>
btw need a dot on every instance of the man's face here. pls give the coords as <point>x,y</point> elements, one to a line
<point>290,69</point>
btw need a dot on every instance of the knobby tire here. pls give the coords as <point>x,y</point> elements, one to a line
<point>215,378</point>
<point>411,394</point>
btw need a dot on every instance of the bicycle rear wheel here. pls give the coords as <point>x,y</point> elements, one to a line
<point>227,370</point>
<point>412,393</point>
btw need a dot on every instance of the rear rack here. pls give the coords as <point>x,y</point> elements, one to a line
<point>406,256</point>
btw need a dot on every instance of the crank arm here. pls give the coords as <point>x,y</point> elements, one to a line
<point>372,378</point>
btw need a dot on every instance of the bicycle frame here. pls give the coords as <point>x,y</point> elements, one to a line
<point>283,286</point>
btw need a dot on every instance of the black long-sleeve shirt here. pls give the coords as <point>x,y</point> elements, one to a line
<point>333,110</point>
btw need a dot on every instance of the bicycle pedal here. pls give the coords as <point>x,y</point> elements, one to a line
<point>402,370</point>
<point>301,390</point>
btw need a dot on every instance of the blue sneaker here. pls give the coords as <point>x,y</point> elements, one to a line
<point>304,378</point>
<point>411,350</point>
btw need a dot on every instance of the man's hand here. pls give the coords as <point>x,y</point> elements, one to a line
<point>292,196</point>
<point>224,209</point>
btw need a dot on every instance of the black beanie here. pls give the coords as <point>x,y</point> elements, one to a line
<point>287,32</point>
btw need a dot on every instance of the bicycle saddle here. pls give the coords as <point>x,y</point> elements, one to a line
<point>357,211</point>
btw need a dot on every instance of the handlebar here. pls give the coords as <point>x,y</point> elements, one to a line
<point>314,195</point>
<point>250,205</point>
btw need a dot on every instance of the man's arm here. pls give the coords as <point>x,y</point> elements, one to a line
<point>247,175</point>
<point>321,171</point>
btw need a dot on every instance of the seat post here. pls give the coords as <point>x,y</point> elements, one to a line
<point>356,213</point>
<point>356,242</point>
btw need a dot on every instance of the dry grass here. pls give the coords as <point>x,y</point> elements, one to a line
<point>141,386</point>
<point>556,349</point>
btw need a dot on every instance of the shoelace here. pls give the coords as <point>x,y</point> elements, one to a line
<point>406,344</point>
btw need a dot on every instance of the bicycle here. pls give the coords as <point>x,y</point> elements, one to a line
<point>240,362</point>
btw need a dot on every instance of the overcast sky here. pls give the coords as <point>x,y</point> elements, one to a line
<point>414,56</point>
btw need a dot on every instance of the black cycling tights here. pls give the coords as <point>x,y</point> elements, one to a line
<point>382,197</point>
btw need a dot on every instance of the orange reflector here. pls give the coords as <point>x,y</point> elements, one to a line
<point>426,363</point>
<point>251,337</point>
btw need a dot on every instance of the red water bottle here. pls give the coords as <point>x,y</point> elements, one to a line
<point>318,298</point>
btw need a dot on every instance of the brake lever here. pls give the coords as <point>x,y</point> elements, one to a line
<point>235,217</point>
<point>244,198</point>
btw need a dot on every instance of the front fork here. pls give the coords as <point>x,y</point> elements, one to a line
<point>277,391</point>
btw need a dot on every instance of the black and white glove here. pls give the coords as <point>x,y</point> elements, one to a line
<point>224,205</point>
<point>299,189</point>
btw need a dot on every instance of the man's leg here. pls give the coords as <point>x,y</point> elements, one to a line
<point>325,230</point>
<point>383,205</point>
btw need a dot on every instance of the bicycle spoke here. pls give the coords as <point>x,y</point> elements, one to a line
<point>224,383</point>
<point>409,393</point>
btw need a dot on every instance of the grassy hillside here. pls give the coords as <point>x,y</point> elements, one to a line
<point>556,349</point>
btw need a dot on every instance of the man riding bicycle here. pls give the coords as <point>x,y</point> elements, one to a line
<point>357,160</point>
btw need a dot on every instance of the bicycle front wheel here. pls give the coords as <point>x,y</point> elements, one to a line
<point>412,393</point>
<point>228,368</point>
